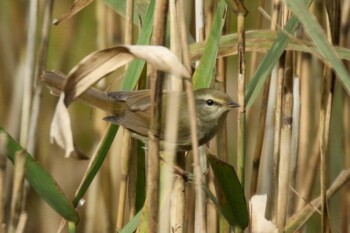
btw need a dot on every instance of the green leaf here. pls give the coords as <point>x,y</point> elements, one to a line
<point>119,6</point>
<point>270,60</point>
<point>96,163</point>
<point>135,68</point>
<point>42,182</point>
<point>132,225</point>
<point>318,36</point>
<point>204,73</point>
<point>234,206</point>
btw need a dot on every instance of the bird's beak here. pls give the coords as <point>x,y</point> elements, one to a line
<point>233,104</point>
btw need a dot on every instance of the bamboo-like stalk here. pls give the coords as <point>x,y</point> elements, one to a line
<point>325,113</point>
<point>346,192</point>
<point>3,159</point>
<point>345,198</point>
<point>200,223</point>
<point>277,138</point>
<point>286,143</point>
<point>221,152</point>
<point>126,138</point>
<point>333,27</point>
<point>156,84</point>
<point>43,49</point>
<point>263,110</point>
<point>173,205</point>
<point>17,192</point>
<point>198,166</point>
<point>241,117</point>
<point>29,71</point>
<point>295,141</point>
<point>308,156</point>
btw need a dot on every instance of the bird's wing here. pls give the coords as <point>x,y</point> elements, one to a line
<point>135,100</point>
<point>135,122</point>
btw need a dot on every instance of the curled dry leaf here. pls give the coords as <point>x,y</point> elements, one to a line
<point>77,6</point>
<point>259,224</point>
<point>61,132</point>
<point>97,65</point>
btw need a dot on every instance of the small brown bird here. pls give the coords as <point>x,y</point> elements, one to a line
<point>132,111</point>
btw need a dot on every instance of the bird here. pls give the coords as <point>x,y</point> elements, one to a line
<point>132,110</point>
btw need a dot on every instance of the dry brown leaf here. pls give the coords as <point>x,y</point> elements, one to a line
<point>100,63</point>
<point>61,131</point>
<point>77,6</point>
<point>259,224</point>
<point>92,68</point>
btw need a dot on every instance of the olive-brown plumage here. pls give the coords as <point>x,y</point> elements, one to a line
<point>133,113</point>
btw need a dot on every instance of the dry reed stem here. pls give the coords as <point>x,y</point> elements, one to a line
<point>198,166</point>
<point>285,144</point>
<point>345,198</point>
<point>183,34</point>
<point>241,120</point>
<point>40,67</point>
<point>172,209</point>
<point>125,155</point>
<point>325,115</point>
<point>277,138</point>
<point>295,140</point>
<point>263,110</point>
<point>200,223</point>
<point>29,72</point>
<point>156,84</point>
<point>3,159</point>
<point>17,204</point>
<point>308,141</point>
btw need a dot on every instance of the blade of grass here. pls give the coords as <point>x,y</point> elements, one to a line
<point>42,182</point>
<point>204,73</point>
<point>96,162</point>
<point>135,68</point>
<point>319,38</point>
<point>270,60</point>
<point>234,208</point>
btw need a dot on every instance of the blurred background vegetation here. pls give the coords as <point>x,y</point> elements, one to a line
<point>101,24</point>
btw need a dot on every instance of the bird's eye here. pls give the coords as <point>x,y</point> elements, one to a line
<point>210,102</point>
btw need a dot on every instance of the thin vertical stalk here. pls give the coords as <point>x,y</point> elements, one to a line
<point>333,28</point>
<point>325,113</point>
<point>44,43</point>
<point>156,83</point>
<point>129,21</point>
<point>263,111</point>
<point>295,139</point>
<point>308,135</point>
<point>17,192</point>
<point>124,172</point>
<point>277,136</point>
<point>170,183</point>
<point>126,138</point>
<point>241,119</point>
<point>29,71</point>
<point>183,34</point>
<point>345,198</point>
<point>346,192</point>
<point>286,143</point>
<point>3,160</point>
<point>241,134</point>
<point>199,222</point>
